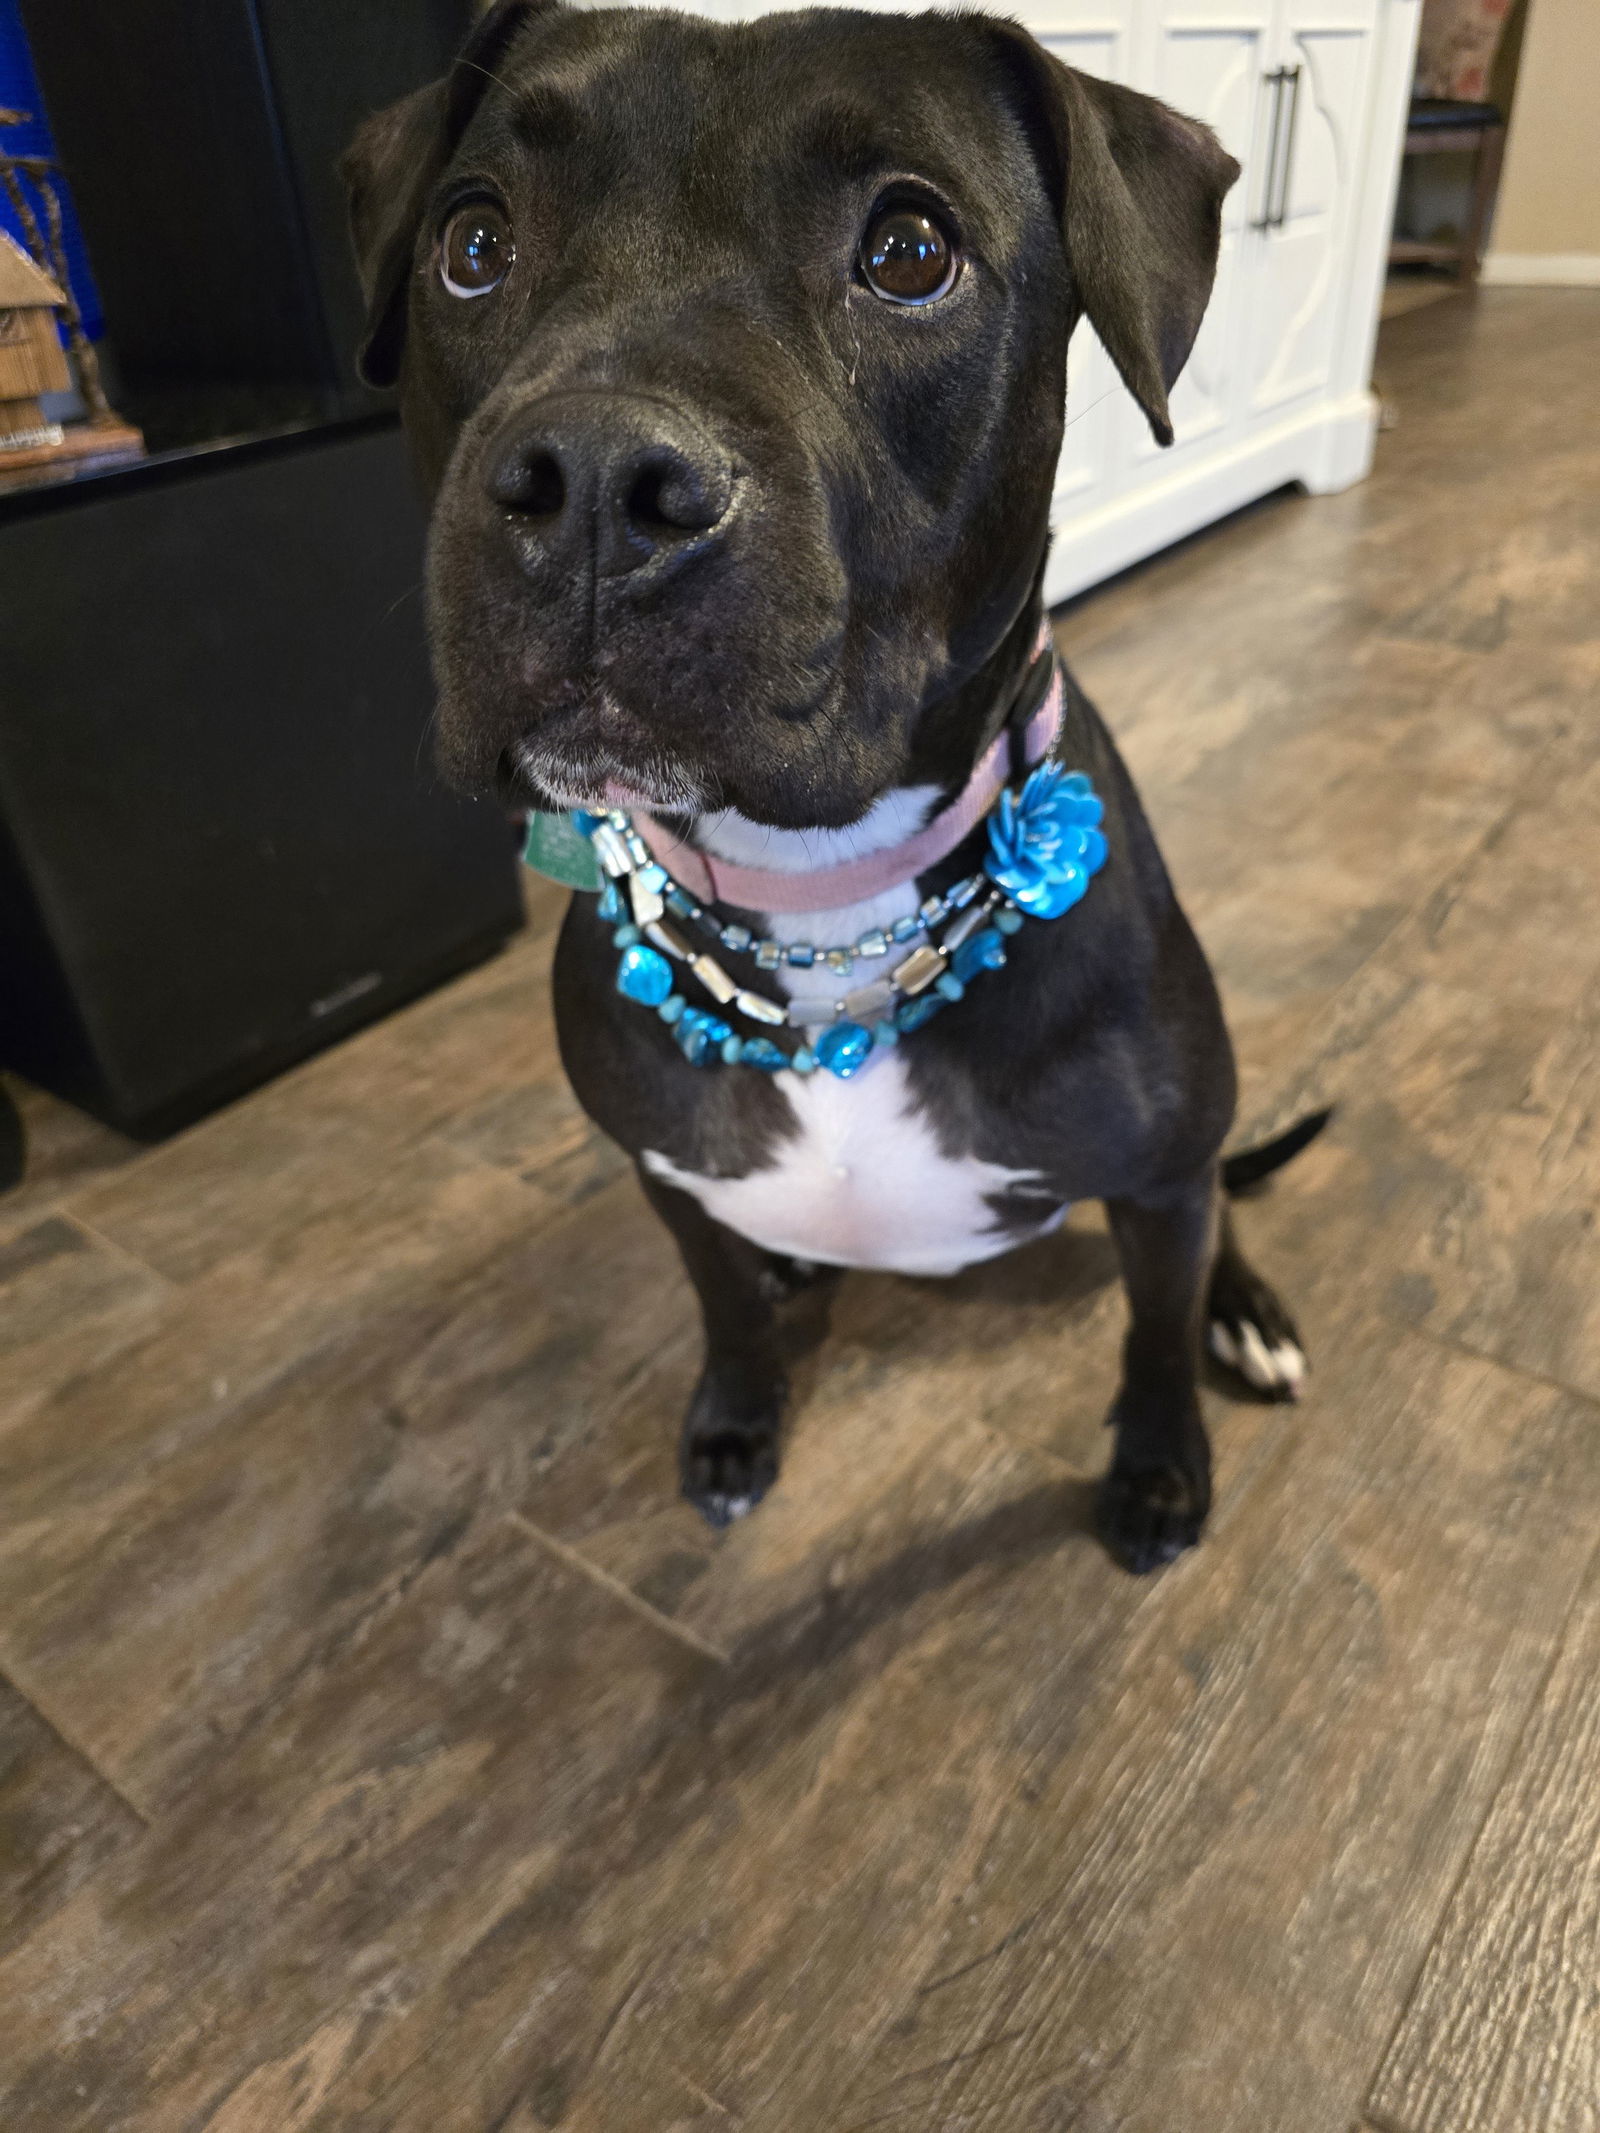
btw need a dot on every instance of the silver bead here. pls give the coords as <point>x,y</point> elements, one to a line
<point>758,1009</point>
<point>868,1002</point>
<point>669,940</point>
<point>714,978</point>
<point>919,969</point>
<point>611,852</point>
<point>647,905</point>
<point>966,925</point>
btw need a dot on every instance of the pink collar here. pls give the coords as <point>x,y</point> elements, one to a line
<point>777,892</point>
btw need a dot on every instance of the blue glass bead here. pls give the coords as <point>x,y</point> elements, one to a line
<point>1007,920</point>
<point>802,955</point>
<point>701,1036</point>
<point>732,1050</point>
<point>643,975</point>
<point>906,929</point>
<point>843,1048</point>
<point>672,1007</point>
<point>653,877</point>
<point>735,937</point>
<point>583,822</point>
<point>626,937</point>
<point>839,959</point>
<point>885,1033</point>
<point>681,901</point>
<point>768,955</point>
<point>984,950</point>
<point>762,1052</point>
<point>804,1061</point>
<point>611,907</point>
<point>911,1014</point>
<point>874,943</point>
<point>949,987</point>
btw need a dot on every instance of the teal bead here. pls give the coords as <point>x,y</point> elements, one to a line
<point>732,1050</point>
<point>804,1061</point>
<point>626,937</point>
<point>611,907</point>
<point>653,877</point>
<point>911,1014</point>
<point>885,1033</point>
<point>1007,920</point>
<point>763,1053</point>
<point>701,1036</point>
<point>949,987</point>
<point>983,950</point>
<point>843,1048</point>
<point>672,1007</point>
<point>643,975</point>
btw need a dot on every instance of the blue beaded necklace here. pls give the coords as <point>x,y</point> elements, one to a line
<point>1045,845</point>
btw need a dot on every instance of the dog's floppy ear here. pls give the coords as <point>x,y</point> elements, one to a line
<point>1140,190</point>
<point>391,166</point>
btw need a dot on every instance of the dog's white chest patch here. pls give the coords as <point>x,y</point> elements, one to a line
<point>862,1182</point>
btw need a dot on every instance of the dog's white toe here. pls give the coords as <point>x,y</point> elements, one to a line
<point>1278,1368</point>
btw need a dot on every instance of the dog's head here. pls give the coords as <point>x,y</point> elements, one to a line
<point>735,360</point>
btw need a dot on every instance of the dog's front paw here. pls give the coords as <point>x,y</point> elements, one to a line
<point>726,1472</point>
<point>728,1454</point>
<point>1148,1515</point>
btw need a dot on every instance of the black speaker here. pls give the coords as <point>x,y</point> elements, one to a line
<point>221,840</point>
<point>201,139</point>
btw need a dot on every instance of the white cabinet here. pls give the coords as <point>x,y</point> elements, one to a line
<point>1311,97</point>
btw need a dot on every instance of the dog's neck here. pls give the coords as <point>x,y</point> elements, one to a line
<point>890,821</point>
<point>727,859</point>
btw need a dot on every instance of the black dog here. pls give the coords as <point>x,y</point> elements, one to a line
<point>735,360</point>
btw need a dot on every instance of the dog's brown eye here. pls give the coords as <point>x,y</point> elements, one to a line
<point>906,257</point>
<point>475,250</point>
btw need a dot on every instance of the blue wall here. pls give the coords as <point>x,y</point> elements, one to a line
<point>19,91</point>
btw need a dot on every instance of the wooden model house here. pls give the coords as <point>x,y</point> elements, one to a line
<point>32,360</point>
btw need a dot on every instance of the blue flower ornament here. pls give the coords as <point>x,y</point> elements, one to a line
<point>1045,841</point>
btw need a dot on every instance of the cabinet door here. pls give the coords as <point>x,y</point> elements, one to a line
<point>1207,60</point>
<point>1326,48</point>
<point>1095,42</point>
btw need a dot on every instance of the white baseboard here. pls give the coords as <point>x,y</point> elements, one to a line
<point>1542,270</point>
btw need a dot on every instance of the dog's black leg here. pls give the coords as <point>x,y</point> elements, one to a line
<point>728,1457</point>
<point>1154,1500</point>
<point>1248,1330</point>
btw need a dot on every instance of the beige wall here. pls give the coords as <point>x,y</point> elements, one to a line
<point>1550,191</point>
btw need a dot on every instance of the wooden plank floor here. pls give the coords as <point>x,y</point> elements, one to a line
<point>383,1749</point>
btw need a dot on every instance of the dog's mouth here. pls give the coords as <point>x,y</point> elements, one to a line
<point>566,763</point>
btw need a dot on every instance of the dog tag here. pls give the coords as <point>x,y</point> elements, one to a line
<point>561,852</point>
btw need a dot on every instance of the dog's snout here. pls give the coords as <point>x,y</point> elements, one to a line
<point>630,480</point>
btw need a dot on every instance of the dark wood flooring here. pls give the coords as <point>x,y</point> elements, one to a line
<point>383,1749</point>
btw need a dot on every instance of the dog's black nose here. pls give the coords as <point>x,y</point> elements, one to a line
<point>630,479</point>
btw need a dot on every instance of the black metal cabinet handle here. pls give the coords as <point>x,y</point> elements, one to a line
<point>1280,148</point>
<point>1291,81</point>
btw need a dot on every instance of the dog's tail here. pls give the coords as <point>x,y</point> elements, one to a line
<point>1251,1165</point>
